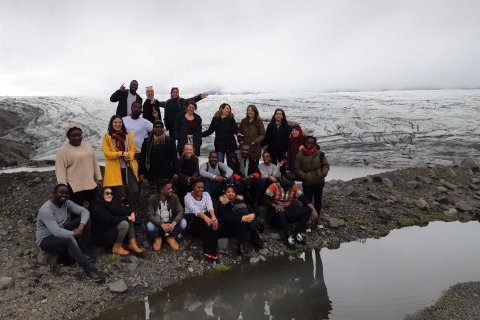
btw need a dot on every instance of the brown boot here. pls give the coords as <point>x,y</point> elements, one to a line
<point>173,243</point>
<point>118,249</point>
<point>157,244</point>
<point>134,246</point>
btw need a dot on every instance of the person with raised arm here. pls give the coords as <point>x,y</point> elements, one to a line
<point>126,98</point>
<point>151,106</point>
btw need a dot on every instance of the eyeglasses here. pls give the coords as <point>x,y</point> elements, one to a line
<point>108,193</point>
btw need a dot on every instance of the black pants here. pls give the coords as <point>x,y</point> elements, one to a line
<point>314,195</point>
<point>298,215</point>
<point>209,236</point>
<point>240,230</point>
<point>129,187</point>
<point>80,197</point>
<point>52,244</point>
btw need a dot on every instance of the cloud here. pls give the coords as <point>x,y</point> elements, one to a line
<point>72,47</point>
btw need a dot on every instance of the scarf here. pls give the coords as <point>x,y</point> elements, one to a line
<point>309,151</point>
<point>119,139</point>
<point>297,140</point>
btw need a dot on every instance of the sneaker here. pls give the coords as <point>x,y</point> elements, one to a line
<point>173,243</point>
<point>299,239</point>
<point>290,242</point>
<point>95,276</point>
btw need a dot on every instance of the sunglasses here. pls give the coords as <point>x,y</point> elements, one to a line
<point>108,193</point>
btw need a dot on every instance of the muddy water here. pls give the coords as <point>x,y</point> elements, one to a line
<point>386,278</point>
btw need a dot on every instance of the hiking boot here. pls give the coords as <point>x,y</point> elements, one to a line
<point>157,244</point>
<point>257,241</point>
<point>173,243</point>
<point>242,250</point>
<point>118,249</point>
<point>299,239</point>
<point>291,242</point>
<point>134,246</point>
<point>95,276</point>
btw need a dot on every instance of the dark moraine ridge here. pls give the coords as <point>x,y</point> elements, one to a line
<point>358,209</point>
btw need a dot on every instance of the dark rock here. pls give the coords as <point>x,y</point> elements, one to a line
<point>413,184</point>
<point>353,194</point>
<point>374,196</point>
<point>367,179</point>
<point>377,178</point>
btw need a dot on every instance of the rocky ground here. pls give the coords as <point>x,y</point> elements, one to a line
<point>362,208</point>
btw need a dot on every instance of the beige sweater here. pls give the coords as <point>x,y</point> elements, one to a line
<point>77,166</point>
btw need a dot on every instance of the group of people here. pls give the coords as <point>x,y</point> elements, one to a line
<point>209,200</point>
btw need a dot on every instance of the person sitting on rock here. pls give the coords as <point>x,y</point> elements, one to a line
<point>238,219</point>
<point>56,232</point>
<point>165,214</point>
<point>112,224</point>
<point>246,175</point>
<point>215,175</point>
<point>280,198</point>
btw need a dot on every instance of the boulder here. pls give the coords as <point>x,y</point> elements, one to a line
<point>387,182</point>
<point>190,259</point>
<point>413,184</point>
<point>447,184</point>
<point>45,258</point>
<point>6,282</point>
<point>452,212</point>
<point>118,286</point>
<point>373,196</point>
<point>475,180</point>
<point>464,206</point>
<point>367,179</point>
<point>377,178</point>
<point>335,223</point>
<point>442,189</point>
<point>353,193</point>
<point>422,204</point>
<point>470,164</point>
<point>423,179</point>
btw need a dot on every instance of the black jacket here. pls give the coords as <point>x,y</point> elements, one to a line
<point>105,219</point>
<point>234,163</point>
<point>157,161</point>
<point>277,139</point>
<point>148,108</point>
<point>121,97</point>
<point>225,131</point>
<point>175,107</point>
<point>180,133</point>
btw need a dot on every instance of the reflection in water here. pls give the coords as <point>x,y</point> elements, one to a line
<point>276,289</point>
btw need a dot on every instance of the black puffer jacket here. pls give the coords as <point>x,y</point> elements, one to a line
<point>225,129</point>
<point>174,107</point>
<point>105,219</point>
<point>121,97</point>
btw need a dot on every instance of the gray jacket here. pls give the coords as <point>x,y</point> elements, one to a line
<point>209,172</point>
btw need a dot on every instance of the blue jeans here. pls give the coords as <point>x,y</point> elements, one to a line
<point>156,232</point>
<point>215,189</point>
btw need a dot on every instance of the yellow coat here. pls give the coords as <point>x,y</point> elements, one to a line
<point>113,175</point>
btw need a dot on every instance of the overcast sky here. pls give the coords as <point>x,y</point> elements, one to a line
<point>67,47</point>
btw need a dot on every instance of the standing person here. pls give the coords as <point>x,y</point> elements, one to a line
<point>140,127</point>
<point>225,128</point>
<point>158,159</point>
<point>176,105</point>
<point>188,129</point>
<point>296,141</point>
<point>311,166</point>
<point>202,220</point>
<point>280,198</point>
<point>76,166</point>
<point>121,168</point>
<point>151,106</point>
<point>252,131</point>
<point>238,219</point>
<point>188,170</point>
<point>125,98</point>
<point>215,175</point>
<point>57,232</point>
<point>112,225</point>
<point>246,175</point>
<point>165,215</point>
<point>277,136</point>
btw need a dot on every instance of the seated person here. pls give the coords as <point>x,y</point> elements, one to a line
<point>246,175</point>
<point>201,218</point>
<point>112,224</point>
<point>188,170</point>
<point>269,172</point>
<point>215,175</point>
<point>56,233</point>
<point>165,215</point>
<point>280,198</point>
<point>238,219</point>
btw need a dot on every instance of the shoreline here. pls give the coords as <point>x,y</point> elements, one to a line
<point>362,208</point>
